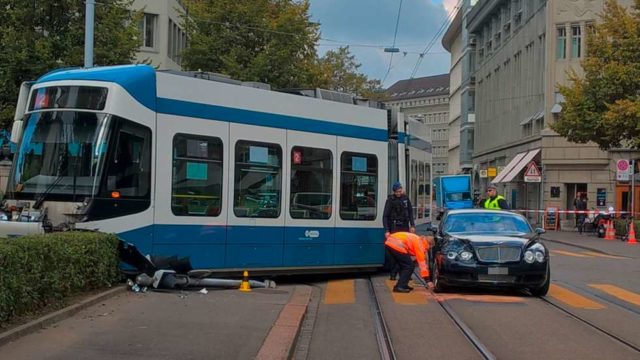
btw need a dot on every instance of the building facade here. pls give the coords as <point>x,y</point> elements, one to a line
<point>457,41</point>
<point>523,51</point>
<point>426,99</point>
<point>162,38</point>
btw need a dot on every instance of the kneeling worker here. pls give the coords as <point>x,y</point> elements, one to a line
<point>401,247</point>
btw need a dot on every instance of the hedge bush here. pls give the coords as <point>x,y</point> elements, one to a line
<point>622,226</point>
<point>39,270</point>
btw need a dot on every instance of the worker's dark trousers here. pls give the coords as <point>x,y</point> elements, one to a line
<point>406,266</point>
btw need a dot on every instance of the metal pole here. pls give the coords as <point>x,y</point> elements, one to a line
<point>633,187</point>
<point>88,32</point>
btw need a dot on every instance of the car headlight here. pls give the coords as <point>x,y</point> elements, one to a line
<point>466,256</point>
<point>539,256</point>
<point>451,255</point>
<point>537,247</point>
<point>529,257</point>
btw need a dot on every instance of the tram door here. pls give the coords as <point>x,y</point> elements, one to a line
<point>257,168</point>
<point>310,199</point>
<point>191,184</point>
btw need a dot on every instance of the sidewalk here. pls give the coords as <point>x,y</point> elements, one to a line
<point>589,241</point>
<point>222,324</point>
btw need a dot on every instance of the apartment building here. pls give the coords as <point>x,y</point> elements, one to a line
<point>457,41</point>
<point>162,37</point>
<point>426,99</point>
<point>523,50</point>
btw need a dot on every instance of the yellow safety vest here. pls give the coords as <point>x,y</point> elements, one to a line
<point>493,204</point>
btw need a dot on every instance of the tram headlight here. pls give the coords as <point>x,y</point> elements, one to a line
<point>466,256</point>
<point>529,257</point>
<point>539,256</point>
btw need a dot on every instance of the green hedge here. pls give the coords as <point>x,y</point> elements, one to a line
<point>39,270</point>
<point>622,227</point>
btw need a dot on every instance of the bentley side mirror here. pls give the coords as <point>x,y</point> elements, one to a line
<point>432,228</point>
<point>540,231</point>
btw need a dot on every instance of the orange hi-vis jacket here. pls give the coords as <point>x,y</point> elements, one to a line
<point>411,244</point>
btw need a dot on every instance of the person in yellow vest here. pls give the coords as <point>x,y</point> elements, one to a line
<point>493,200</point>
<point>401,246</point>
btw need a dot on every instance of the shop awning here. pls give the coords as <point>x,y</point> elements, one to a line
<point>515,161</point>
<point>524,161</point>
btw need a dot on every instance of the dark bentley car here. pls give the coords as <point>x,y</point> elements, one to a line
<point>492,248</point>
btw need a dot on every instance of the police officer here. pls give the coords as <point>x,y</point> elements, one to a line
<point>398,212</point>
<point>493,200</point>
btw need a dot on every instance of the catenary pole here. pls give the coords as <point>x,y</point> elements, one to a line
<point>90,7</point>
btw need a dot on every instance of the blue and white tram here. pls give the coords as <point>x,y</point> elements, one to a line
<point>228,176</point>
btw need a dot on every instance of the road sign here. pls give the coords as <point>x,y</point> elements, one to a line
<point>622,170</point>
<point>492,172</point>
<point>532,174</point>
<point>483,173</point>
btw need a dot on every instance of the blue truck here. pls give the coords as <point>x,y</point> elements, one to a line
<point>452,192</point>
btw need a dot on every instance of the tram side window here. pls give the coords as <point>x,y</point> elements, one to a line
<point>196,187</point>
<point>129,172</point>
<point>258,180</point>
<point>358,186</point>
<point>311,183</point>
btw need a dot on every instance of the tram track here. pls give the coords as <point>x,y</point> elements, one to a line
<point>460,324</point>
<point>591,324</point>
<point>383,337</point>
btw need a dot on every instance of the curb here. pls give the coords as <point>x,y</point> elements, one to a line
<point>280,341</point>
<point>57,316</point>
<point>580,246</point>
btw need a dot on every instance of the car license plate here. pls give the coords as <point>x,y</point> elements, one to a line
<point>498,271</point>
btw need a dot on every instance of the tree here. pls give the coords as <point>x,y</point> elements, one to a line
<point>604,105</point>
<point>339,69</point>
<point>41,35</point>
<point>271,41</point>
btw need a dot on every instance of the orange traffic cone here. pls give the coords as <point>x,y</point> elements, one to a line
<point>611,232</point>
<point>631,238</point>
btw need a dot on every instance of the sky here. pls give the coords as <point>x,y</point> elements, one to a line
<point>368,26</point>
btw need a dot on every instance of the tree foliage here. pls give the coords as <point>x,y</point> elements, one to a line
<point>39,36</point>
<point>271,41</point>
<point>604,105</point>
<point>339,70</point>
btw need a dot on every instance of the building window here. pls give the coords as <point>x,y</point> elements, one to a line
<point>177,42</point>
<point>358,184</point>
<point>258,179</point>
<point>147,29</point>
<point>576,39</point>
<point>196,186</point>
<point>561,43</point>
<point>311,183</point>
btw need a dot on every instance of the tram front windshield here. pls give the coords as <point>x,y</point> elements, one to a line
<point>62,152</point>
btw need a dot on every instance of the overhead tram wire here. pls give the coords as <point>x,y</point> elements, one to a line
<point>440,31</point>
<point>395,35</point>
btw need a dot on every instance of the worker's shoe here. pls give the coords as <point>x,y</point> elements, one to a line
<point>401,289</point>
<point>393,276</point>
<point>409,287</point>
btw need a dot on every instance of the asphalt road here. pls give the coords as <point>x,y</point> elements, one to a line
<point>594,297</point>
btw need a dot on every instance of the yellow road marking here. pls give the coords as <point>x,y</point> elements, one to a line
<point>417,297</point>
<point>482,298</point>
<point>593,253</point>
<point>620,293</point>
<point>573,299</point>
<point>340,292</point>
<point>568,253</point>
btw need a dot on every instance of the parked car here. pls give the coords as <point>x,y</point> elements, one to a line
<point>489,248</point>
